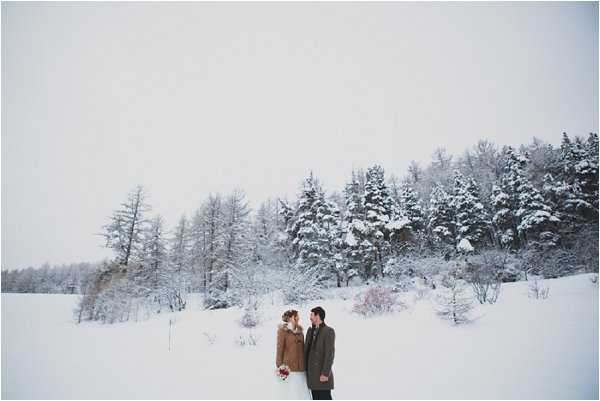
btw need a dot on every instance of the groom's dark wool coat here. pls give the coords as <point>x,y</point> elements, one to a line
<point>319,357</point>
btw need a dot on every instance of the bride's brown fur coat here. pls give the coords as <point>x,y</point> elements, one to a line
<point>290,347</point>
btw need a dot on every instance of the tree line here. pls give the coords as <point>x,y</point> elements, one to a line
<point>538,202</point>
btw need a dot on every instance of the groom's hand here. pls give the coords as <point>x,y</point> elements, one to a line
<point>324,378</point>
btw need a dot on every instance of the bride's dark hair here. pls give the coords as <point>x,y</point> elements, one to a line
<point>288,314</point>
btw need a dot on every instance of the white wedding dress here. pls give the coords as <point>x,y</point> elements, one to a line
<point>293,388</point>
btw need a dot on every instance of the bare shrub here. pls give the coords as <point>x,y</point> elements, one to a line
<point>485,280</point>
<point>537,290</point>
<point>376,300</point>
<point>247,340</point>
<point>210,337</point>
<point>504,263</point>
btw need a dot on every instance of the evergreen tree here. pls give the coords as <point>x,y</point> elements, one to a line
<point>410,206</point>
<point>354,230</point>
<point>505,199</point>
<point>328,217</point>
<point>580,160</point>
<point>441,216</point>
<point>471,219</point>
<point>521,213</point>
<point>314,229</point>
<point>380,210</point>
<point>538,223</point>
<point>304,231</point>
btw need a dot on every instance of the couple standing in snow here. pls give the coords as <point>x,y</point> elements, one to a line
<point>309,360</point>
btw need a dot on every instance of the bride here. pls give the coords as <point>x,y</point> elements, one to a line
<point>290,352</point>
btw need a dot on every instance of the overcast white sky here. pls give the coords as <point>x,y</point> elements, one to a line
<point>189,98</point>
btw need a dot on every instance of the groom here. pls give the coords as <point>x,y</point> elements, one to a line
<point>320,350</point>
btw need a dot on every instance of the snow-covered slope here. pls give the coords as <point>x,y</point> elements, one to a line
<point>519,348</point>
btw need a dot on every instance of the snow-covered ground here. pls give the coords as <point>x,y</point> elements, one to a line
<point>519,348</point>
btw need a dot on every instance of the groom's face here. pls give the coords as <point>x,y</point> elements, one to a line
<point>314,319</point>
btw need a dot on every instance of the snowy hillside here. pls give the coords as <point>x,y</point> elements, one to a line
<point>519,348</point>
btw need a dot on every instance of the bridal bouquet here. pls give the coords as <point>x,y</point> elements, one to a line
<point>282,372</point>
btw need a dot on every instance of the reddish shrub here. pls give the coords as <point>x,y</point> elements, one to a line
<point>376,300</point>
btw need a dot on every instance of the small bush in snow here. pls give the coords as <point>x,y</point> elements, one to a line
<point>485,279</point>
<point>247,340</point>
<point>211,338</point>
<point>537,290</point>
<point>594,279</point>
<point>452,303</point>
<point>376,300</point>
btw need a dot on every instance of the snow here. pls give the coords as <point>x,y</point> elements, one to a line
<point>519,348</point>
<point>359,225</point>
<point>350,239</point>
<point>465,246</point>
<point>398,224</point>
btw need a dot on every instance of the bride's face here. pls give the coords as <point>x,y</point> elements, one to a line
<point>295,320</point>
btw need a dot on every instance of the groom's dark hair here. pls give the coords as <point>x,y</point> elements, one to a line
<point>319,311</point>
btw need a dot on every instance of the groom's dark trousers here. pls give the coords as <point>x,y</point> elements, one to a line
<point>321,394</point>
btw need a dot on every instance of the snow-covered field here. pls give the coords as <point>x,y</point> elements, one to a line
<point>520,348</point>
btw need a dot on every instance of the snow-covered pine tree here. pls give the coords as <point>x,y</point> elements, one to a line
<point>328,217</point>
<point>470,214</point>
<point>410,206</point>
<point>304,229</point>
<point>538,223</point>
<point>380,210</point>
<point>441,216</point>
<point>124,232</point>
<point>521,214</point>
<point>505,199</point>
<point>287,214</point>
<point>580,160</point>
<point>314,229</point>
<point>504,220</point>
<point>354,230</point>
